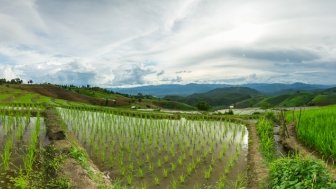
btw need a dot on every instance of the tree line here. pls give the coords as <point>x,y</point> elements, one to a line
<point>14,81</point>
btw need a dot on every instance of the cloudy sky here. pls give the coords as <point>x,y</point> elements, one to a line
<point>140,42</point>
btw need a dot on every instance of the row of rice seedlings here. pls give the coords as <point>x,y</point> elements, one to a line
<point>21,106</point>
<point>6,154</point>
<point>29,158</point>
<point>316,129</point>
<point>141,148</point>
<point>10,119</point>
<point>12,128</point>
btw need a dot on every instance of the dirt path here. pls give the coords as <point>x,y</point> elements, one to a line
<point>257,169</point>
<point>88,177</point>
<point>294,144</point>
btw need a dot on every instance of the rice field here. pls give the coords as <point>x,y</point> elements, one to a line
<point>21,137</point>
<point>316,128</point>
<point>144,152</point>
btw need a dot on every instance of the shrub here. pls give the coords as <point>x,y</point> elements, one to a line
<point>299,173</point>
<point>204,106</point>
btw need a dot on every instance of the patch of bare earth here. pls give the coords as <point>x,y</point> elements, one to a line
<point>80,177</point>
<point>257,169</point>
<point>60,93</point>
<point>295,145</point>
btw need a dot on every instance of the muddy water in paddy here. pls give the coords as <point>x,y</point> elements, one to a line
<point>280,149</point>
<point>8,131</point>
<point>121,146</point>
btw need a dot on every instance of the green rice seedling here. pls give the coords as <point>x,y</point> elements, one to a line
<point>131,167</point>
<point>189,170</point>
<point>150,168</point>
<point>21,181</point>
<point>111,161</point>
<point>182,178</point>
<point>166,159</point>
<point>156,181</point>
<point>123,171</point>
<point>174,184</point>
<point>6,154</point>
<point>129,179</point>
<point>147,158</point>
<point>220,184</point>
<point>159,163</point>
<point>180,161</point>
<point>207,172</point>
<point>140,173</point>
<point>28,160</point>
<point>172,167</point>
<point>165,173</point>
<point>143,185</point>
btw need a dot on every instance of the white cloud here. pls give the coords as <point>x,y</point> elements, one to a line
<point>114,42</point>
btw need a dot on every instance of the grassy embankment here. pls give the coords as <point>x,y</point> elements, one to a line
<point>296,171</point>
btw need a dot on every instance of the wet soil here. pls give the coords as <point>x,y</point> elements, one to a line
<point>257,169</point>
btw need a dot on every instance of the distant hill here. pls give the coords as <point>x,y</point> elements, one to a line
<point>217,97</point>
<point>48,93</point>
<point>188,89</point>
<point>280,87</point>
<point>243,97</point>
<point>173,89</point>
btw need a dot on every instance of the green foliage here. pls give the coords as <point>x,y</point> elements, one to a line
<point>21,181</point>
<point>324,99</point>
<point>204,106</point>
<point>298,99</point>
<point>299,173</point>
<point>59,183</point>
<point>79,155</point>
<point>172,105</point>
<point>265,132</point>
<point>218,97</point>
<point>270,116</point>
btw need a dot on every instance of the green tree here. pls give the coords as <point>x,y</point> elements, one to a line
<point>203,106</point>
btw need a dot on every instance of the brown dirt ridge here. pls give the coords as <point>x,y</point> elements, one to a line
<point>80,177</point>
<point>257,168</point>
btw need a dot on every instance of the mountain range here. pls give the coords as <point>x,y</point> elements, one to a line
<point>188,89</point>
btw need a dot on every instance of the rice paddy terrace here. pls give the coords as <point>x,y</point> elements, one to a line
<point>64,145</point>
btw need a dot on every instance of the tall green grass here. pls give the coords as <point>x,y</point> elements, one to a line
<point>265,132</point>
<point>316,128</point>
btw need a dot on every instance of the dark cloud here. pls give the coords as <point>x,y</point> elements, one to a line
<point>176,79</point>
<point>160,73</point>
<point>183,71</point>
<point>272,55</point>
